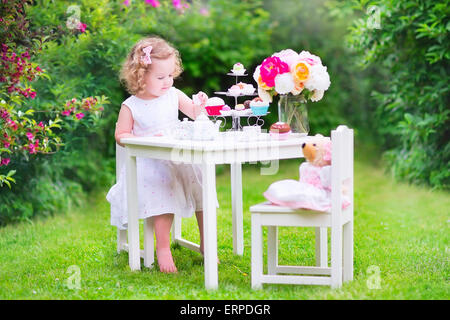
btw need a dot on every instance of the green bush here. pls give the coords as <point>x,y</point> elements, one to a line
<point>411,42</point>
<point>30,133</point>
<point>84,60</point>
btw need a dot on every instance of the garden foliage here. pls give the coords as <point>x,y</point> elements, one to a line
<point>31,133</point>
<point>410,40</point>
<point>82,55</point>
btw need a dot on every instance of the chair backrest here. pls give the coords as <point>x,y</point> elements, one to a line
<point>341,165</point>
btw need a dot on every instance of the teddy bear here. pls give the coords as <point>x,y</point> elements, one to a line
<point>313,189</point>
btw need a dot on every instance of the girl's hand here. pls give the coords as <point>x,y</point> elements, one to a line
<point>200,99</point>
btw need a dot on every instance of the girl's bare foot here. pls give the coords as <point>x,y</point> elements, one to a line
<point>165,261</point>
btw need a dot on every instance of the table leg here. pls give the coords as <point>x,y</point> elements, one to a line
<point>210,225</point>
<point>133,219</point>
<point>236,205</point>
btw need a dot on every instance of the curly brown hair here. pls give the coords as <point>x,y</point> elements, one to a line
<point>134,69</point>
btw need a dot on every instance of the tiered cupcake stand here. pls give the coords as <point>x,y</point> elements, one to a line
<point>236,115</point>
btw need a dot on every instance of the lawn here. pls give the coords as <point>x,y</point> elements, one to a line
<point>401,240</point>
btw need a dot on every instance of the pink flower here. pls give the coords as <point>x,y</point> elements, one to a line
<point>30,136</point>
<point>6,144</point>
<point>82,27</point>
<point>40,124</point>
<point>13,124</point>
<point>79,115</point>
<point>33,94</point>
<point>270,68</point>
<point>289,56</point>
<point>126,3</point>
<point>32,149</point>
<point>66,113</point>
<point>5,161</point>
<point>4,114</point>
<point>177,4</point>
<point>153,3</point>
<point>204,11</point>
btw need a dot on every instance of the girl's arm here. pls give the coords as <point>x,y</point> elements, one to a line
<point>187,106</point>
<point>124,125</point>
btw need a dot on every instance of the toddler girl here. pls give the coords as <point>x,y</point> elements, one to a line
<point>164,188</point>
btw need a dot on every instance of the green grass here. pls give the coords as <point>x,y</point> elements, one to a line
<point>401,238</point>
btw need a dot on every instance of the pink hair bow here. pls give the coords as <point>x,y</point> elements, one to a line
<point>146,59</point>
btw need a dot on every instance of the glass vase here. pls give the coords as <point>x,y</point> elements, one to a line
<point>293,111</point>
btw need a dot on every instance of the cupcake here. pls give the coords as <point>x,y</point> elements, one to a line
<point>238,69</point>
<point>214,105</point>
<point>239,107</point>
<point>280,130</point>
<point>259,106</point>
<point>248,89</point>
<point>234,90</point>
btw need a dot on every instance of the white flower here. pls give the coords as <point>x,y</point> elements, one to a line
<point>263,94</point>
<point>284,83</point>
<point>256,74</point>
<point>317,95</point>
<point>310,58</point>
<point>319,79</point>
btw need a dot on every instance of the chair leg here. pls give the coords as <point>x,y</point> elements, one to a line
<point>272,249</point>
<point>321,247</point>
<point>149,246</point>
<point>121,239</point>
<point>257,254</point>
<point>348,251</point>
<point>336,256</point>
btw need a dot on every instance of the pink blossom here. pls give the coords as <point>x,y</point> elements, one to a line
<point>6,144</point>
<point>30,136</point>
<point>33,94</point>
<point>5,161</point>
<point>13,124</point>
<point>270,68</point>
<point>177,4</point>
<point>288,55</point>
<point>153,3</point>
<point>31,148</point>
<point>79,115</point>
<point>126,3</point>
<point>4,114</point>
<point>204,11</point>
<point>40,124</point>
<point>82,27</point>
<point>66,113</point>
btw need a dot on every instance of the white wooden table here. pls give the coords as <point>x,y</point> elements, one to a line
<point>227,149</point>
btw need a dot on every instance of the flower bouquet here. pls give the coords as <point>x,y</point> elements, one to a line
<point>297,77</point>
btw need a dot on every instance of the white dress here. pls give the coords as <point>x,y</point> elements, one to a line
<point>163,186</point>
<point>312,191</point>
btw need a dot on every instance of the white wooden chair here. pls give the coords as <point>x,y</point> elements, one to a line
<point>148,253</point>
<point>338,220</point>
